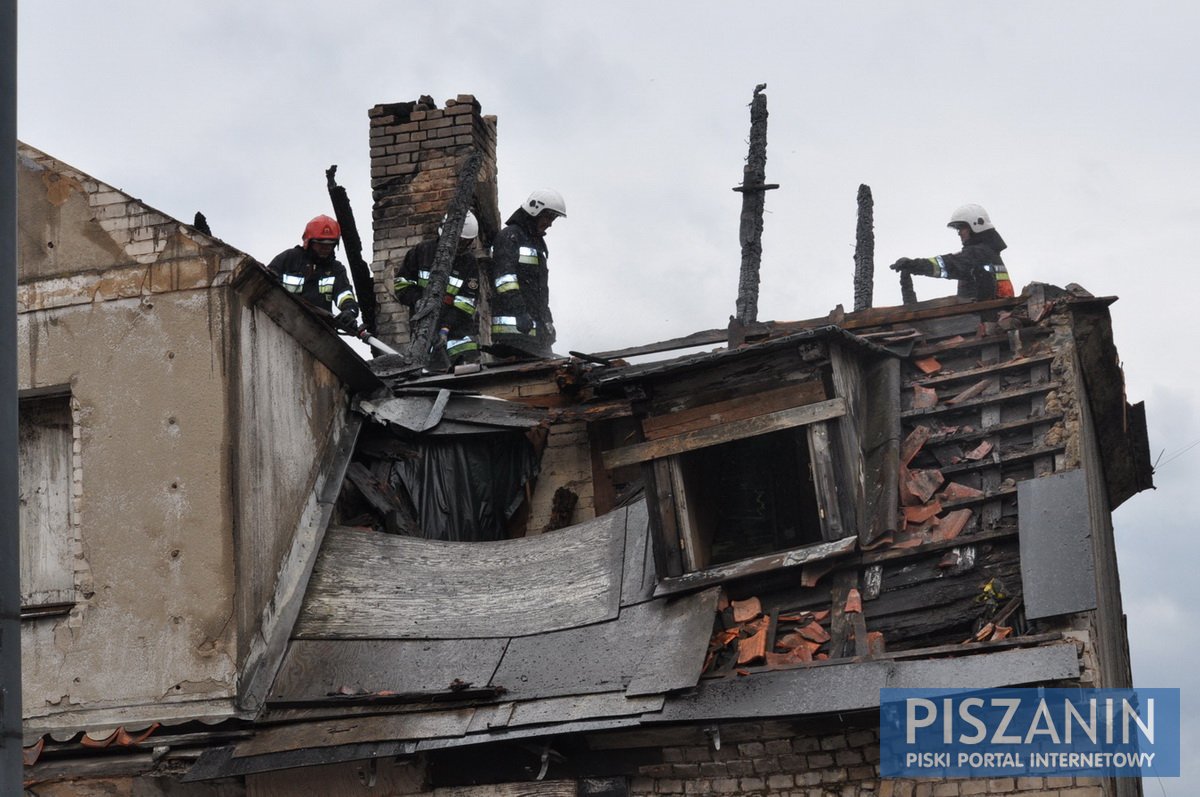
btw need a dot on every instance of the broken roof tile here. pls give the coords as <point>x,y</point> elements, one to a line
<point>853,602</point>
<point>746,610</point>
<point>919,514</point>
<point>980,451</point>
<point>31,754</point>
<point>924,397</point>
<point>928,365</point>
<point>753,648</point>
<point>952,525</point>
<point>814,632</point>
<point>913,443</point>
<point>790,658</point>
<point>918,486</point>
<point>955,491</point>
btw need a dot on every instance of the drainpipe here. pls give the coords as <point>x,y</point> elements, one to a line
<point>10,531</point>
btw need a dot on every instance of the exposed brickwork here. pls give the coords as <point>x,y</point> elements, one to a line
<point>158,254</point>
<point>833,765</point>
<point>417,150</point>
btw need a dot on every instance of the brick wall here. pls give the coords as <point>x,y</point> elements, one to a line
<point>417,150</point>
<point>842,764</point>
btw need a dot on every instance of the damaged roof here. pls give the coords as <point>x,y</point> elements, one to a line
<point>404,644</point>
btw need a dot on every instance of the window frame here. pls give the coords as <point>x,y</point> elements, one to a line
<point>54,589</point>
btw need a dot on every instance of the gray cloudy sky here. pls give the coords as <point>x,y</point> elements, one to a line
<point>1074,123</point>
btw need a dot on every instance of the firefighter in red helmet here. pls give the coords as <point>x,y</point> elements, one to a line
<point>311,272</point>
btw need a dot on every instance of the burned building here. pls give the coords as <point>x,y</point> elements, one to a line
<point>574,576</point>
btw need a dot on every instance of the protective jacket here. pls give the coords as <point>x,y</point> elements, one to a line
<point>457,313</point>
<point>521,317</point>
<point>320,283</point>
<point>979,269</point>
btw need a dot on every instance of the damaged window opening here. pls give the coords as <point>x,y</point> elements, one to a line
<point>443,466</point>
<point>751,497</point>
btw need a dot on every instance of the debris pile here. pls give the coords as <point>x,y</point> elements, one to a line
<point>747,636</point>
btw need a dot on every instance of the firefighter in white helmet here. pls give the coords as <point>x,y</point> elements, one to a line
<point>457,319</point>
<point>522,323</point>
<point>979,269</point>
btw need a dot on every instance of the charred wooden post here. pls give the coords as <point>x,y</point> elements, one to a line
<point>753,190</point>
<point>907,293</point>
<point>864,250</point>
<point>360,272</point>
<point>425,315</point>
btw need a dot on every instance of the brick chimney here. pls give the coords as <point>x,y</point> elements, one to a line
<point>417,150</point>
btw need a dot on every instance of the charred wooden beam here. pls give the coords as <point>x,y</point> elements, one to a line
<point>425,315</point>
<point>908,294</point>
<point>360,272</point>
<point>753,190</point>
<point>864,250</point>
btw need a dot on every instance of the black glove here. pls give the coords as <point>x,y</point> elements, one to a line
<point>524,323</point>
<point>347,320</point>
<point>903,265</point>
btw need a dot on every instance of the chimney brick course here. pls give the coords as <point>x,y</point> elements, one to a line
<point>417,150</point>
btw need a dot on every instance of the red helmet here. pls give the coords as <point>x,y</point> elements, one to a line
<point>322,228</point>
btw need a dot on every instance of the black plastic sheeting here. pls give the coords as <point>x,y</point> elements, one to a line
<point>465,488</point>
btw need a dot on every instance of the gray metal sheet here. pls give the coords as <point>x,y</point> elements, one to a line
<point>851,687</point>
<point>650,648</point>
<point>314,669</point>
<point>639,579</point>
<point>409,412</point>
<point>1057,561</point>
<point>368,585</point>
<point>430,413</point>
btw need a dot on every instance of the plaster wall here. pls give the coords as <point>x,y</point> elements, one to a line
<point>127,310</point>
<point>154,547</point>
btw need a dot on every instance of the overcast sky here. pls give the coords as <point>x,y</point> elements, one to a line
<point>1073,123</point>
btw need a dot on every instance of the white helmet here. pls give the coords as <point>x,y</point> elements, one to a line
<point>973,216</point>
<point>545,199</point>
<point>470,227</point>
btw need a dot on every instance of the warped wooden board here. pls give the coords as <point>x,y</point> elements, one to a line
<point>733,430</point>
<point>368,585</point>
<point>314,669</point>
<point>705,416</point>
<point>650,648</point>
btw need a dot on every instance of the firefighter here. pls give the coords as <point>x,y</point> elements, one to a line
<point>456,320</point>
<point>979,269</point>
<point>311,272</point>
<point>522,324</point>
